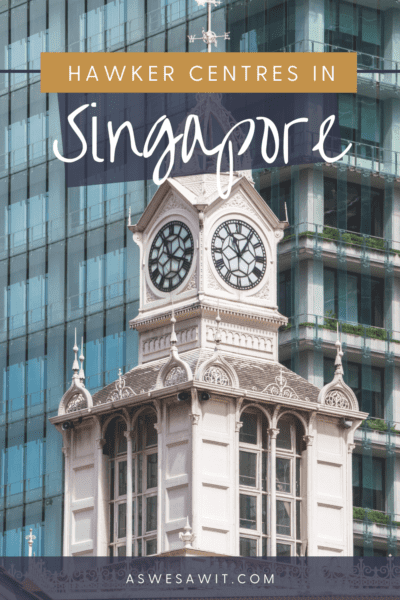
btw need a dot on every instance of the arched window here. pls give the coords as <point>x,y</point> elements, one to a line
<point>289,487</point>
<point>255,512</point>
<point>144,487</point>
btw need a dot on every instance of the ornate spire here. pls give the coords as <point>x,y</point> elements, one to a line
<point>173,339</point>
<point>217,337</point>
<point>75,365</point>
<point>339,353</point>
<point>81,371</point>
<point>30,539</point>
<point>187,536</point>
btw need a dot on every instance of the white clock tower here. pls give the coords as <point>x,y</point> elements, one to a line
<point>209,445</point>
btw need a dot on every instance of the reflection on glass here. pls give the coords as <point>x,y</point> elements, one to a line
<point>283,550</point>
<point>151,471</point>
<point>248,512</point>
<point>283,517</point>
<point>283,439</point>
<point>248,431</point>
<point>121,520</point>
<point>151,547</point>
<point>122,478</point>
<point>283,475</point>
<point>151,513</point>
<point>247,468</point>
<point>248,547</point>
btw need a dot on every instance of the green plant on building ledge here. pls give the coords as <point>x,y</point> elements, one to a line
<point>378,425</point>
<point>374,516</point>
<point>330,323</point>
<point>348,238</point>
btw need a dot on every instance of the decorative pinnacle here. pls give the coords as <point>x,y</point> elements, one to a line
<point>187,536</point>
<point>30,539</point>
<point>173,338</point>
<point>75,365</point>
<point>82,358</point>
<point>339,353</point>
<point>217,337</point>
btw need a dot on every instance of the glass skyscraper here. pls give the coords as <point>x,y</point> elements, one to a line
<point>67,260</point>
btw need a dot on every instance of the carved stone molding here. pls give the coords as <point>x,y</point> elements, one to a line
<point>212,282</point>
<point>243,339</point>
<point>173,203</point>
<point>192,284</point>
<point>238,426</point>
<point>263,293</point>
<point>100,442</point>
<point>150,297</point>
<point>273,433</point>
<point>238,201</point>
<point>309,439</point>
<point>195,418</point>
<point>162,342</point>
<point>350,448</point>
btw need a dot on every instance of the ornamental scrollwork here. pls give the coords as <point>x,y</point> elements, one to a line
<point>121,391</point>
<point>77,402</point>
<point>216,376</point>
<point>337,399</point>
<point>174,376</point>
<point>280,388</point>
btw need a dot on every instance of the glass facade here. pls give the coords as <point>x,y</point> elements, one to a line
<point>67,262</point>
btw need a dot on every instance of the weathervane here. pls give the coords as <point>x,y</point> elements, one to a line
<point>208,37</point>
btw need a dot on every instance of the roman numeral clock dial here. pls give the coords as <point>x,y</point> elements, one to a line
<point>238,254</point>
<point>171,256</point>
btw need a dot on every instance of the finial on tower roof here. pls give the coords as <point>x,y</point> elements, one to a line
<point>173,338</point>
<point>217,337</point>
<point>339,353</point>
<point>81,371</point>
<point>75,364</point>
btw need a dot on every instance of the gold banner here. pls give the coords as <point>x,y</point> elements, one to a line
<point>176,72</point>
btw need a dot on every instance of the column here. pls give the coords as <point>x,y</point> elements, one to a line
<point>101,503</point>
<point>196,500</point>
<point>272,454</point>
<point>67,495</point>
<point>309,440</point>
<point>129,488</point>
<point>349,498</point>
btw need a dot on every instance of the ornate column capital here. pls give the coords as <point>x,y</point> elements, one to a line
<point>350,448</point>
<point>65,451</point>
<point>238,426</point>
<point>195,418</point>
<point>100,442</point>
<point>309,439</point>
<point>158,427</point>
<point>129,434</point>
<point>273,433</point>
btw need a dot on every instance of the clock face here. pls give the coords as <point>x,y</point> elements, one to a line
<point>238,254</point>
<point>171,256</point>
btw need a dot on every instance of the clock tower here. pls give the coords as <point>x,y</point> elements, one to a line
<point>198,253</point>
<point>208,445</point>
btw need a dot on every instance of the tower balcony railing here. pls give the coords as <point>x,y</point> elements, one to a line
<point>318,328</point>
<point>365,61</point>
<point>345,241</point>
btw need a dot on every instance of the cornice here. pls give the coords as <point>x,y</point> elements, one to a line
<point>200,309</point>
